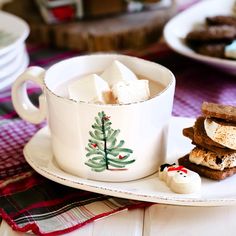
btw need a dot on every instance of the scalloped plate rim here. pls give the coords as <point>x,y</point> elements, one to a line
<point>132,189</point>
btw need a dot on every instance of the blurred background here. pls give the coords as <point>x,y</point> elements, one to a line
<point>93,25</point>
<point>60,29</point>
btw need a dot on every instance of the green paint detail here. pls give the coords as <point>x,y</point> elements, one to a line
<point>104,151</point>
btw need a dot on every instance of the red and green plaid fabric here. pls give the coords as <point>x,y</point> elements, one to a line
<point>31,203</point>
<point>28,201</point>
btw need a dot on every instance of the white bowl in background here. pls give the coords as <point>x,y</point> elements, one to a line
<point>10,67</point>
<point>6,82</point>
<point>13,32</point>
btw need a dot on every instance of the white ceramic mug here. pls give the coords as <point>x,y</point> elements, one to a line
<point>94,141</point>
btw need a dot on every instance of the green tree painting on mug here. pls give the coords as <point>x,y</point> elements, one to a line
<point>104,151</point>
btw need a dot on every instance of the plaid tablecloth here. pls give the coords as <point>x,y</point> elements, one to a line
<point>31,203</point>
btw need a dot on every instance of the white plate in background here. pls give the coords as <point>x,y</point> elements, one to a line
<point>178,27</point>
<point>13,65</point>
<point>10,56</point>
<point>7,81</point>
<point>13,32</point>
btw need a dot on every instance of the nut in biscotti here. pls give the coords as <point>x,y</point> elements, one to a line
<point>213,160</point>
<point>206,171</point>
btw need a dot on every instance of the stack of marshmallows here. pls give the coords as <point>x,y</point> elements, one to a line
<point>117,84</point>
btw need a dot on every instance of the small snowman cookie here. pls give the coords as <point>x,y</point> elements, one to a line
<point>180,179</point>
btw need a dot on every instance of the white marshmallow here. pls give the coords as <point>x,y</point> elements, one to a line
<point>117,72</point>
<point>210,159</point>
<point>91,88</point>
<point>126,92</point>
<point>222,134</point>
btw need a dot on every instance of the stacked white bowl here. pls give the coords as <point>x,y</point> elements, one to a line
<point>13,55</point>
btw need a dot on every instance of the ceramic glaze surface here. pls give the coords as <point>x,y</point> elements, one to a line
<point>38,154</point>
<point>101,142</point>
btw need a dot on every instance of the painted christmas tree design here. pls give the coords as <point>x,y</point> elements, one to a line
<point>104,151</point>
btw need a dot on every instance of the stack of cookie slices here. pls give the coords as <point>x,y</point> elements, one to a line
<point>215,38</point>
<point>214,134</point>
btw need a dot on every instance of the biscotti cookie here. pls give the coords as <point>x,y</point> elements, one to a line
<point>225,112</point>
<point>222,33</point>
<point>206,171</point>
<point>212,50</point>
<point>214,155</point>
<point>221,20</point>
<point>179,179</point>
<point>189,132</point>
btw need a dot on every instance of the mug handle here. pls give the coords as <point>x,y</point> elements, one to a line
<point>21,102</point>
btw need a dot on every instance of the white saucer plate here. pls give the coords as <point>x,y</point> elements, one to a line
<point>39,155</point>
<point>177,28</point>
<point>13,31</point>
<point>7,81</point>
